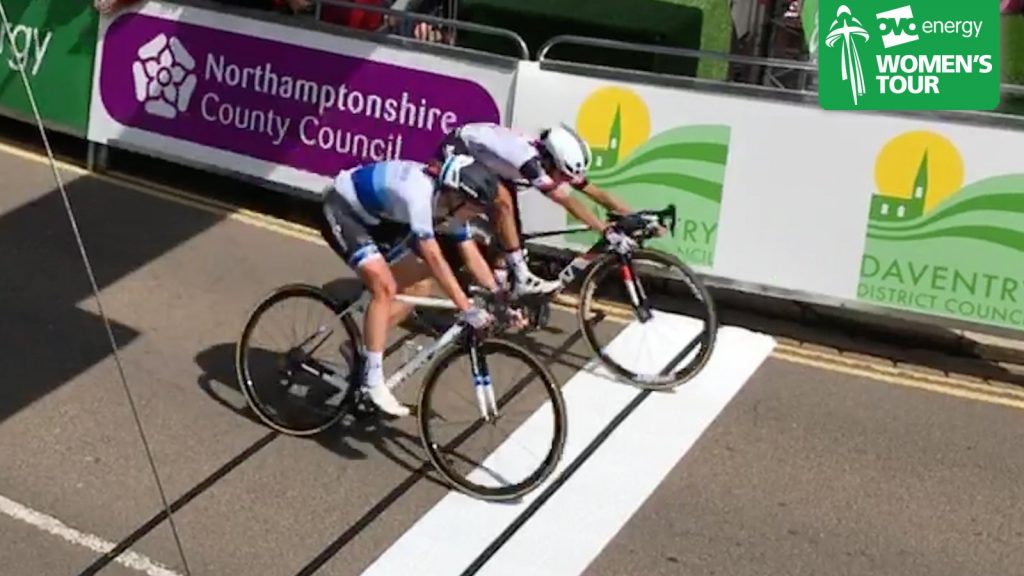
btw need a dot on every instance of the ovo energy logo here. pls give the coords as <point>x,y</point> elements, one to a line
<point>922,55</point>
<point>164,78</point>
<point>897,26</point>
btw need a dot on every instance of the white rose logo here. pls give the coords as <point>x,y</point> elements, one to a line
<point>163,76</point>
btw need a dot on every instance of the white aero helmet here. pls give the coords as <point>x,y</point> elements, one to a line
<point>570,152</point>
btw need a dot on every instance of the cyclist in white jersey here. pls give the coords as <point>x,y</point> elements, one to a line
<point>378,206</point>
<point>552,163</point>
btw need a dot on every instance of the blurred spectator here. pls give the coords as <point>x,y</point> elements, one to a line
<point>427,32</point>
<point>111,6</point>
<point>346,15</point>
<point>1011,6</point>
<point>354,17</point>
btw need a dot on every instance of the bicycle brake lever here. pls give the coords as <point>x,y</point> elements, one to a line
<point>670,213</point>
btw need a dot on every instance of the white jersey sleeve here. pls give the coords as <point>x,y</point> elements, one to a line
<point>510,154</point>
<point>412,194</point>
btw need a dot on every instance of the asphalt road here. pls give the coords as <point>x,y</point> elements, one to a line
<point>801,470</point>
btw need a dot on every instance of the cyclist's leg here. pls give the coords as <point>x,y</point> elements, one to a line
<point>505,229</point>
<point>353,241</point>
<point>410,273</point>
<point>510,227</point>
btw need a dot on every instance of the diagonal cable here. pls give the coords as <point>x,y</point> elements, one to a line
<point>92,280</point>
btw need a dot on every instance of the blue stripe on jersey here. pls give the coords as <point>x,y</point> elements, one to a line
<point>463,233</point>
<point>369,184</point>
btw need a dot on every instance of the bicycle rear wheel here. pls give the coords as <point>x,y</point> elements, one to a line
<point>530,412</point>
<point>662,322</point>
<point>298,381</point>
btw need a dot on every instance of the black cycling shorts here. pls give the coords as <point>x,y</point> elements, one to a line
<point>356,242</point>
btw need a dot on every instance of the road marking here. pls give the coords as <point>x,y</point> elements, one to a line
<point>128,559</point>
<point>450,537</point>
<point>956,390</point>
<point>796,353</point>
<point>625,471</point>
<point>836,362</point>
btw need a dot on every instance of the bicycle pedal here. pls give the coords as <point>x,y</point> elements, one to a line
<point>363,410</point>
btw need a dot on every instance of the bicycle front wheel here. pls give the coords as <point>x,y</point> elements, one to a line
<point>295,360</point>
<point>516,446</point>
<point>648,318</point>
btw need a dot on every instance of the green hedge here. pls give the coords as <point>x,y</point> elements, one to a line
<point>716,34</point>
<point>537,21</point>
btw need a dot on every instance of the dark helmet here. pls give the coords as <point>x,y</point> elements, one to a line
<point>471,178</point>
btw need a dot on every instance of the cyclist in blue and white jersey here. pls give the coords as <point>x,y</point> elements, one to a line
<point>382,204</point>
<point>552,163</point>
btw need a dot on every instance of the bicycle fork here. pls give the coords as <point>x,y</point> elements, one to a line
<point>482,382</point>
<point>637,296</point>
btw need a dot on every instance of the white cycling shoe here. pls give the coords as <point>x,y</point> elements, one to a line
<point>386,401</point>
<point>527,283</point>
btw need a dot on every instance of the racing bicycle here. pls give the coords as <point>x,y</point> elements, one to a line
<point>301,394</point>
<point>637,286</point>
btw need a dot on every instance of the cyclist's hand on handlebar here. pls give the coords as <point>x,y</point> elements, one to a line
<point>504,311</point>
<point>618,241</point>
<point>516,318</point>
<point>477,317</point>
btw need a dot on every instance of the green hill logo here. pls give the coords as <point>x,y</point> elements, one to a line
<point>683,165</point>
<point>936,246</point>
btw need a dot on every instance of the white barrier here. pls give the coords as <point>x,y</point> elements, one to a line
<point>918,215</point>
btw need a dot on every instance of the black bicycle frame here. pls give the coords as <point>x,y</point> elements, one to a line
<point>583,260</point>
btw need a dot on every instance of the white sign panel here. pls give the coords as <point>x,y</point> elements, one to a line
<point>919,215</point>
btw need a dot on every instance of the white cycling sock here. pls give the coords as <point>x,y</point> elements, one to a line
<point>517,263</point>
<point>374,369</point>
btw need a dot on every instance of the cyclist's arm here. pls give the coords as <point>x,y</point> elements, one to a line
<point>533,172</point>
<point>421,220</point>
<point>561,195</point>
<point>604,198</point>
<point>430,251</point>
<point>459,231</point>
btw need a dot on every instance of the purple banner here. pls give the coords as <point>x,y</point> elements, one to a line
<point>305,108</point>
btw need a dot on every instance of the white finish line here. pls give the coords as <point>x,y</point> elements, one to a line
<point>574,525</point>
<point>46,523</point>
<point>586,512</point>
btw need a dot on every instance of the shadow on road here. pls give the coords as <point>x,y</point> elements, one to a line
<point>219,381</point>
<point>49,332</point>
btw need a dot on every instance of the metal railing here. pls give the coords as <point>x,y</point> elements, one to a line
<point>672,51</point>
<point>804,70</point>
<point>1012,89</point>
<point>517,40</point>
<point>802,66</point>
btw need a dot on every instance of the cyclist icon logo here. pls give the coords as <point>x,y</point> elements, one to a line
<point>845,30</point>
